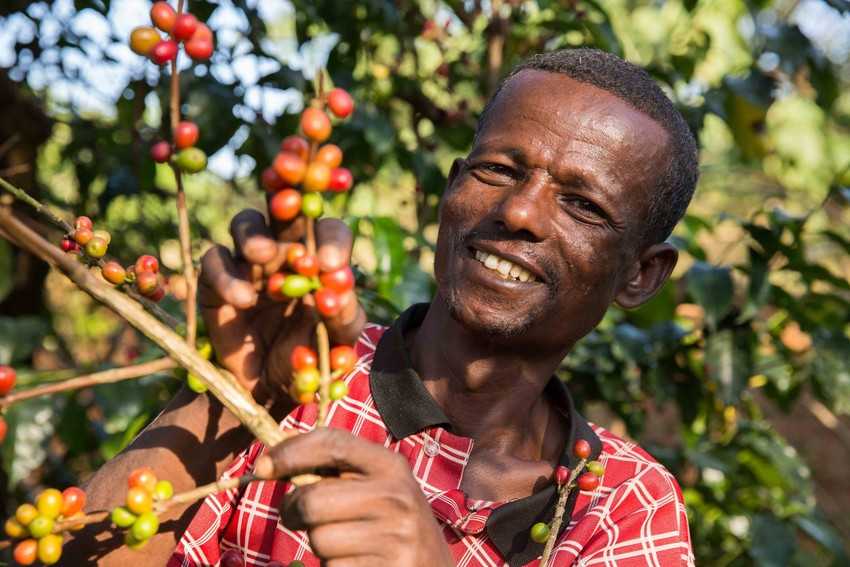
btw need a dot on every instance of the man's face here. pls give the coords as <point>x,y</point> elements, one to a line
<point>554,193</point>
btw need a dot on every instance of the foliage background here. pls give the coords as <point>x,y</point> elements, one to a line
<point>747,343</point>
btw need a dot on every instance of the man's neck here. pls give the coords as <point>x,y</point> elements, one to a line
<point>490,393</point>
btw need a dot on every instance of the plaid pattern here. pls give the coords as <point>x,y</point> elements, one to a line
<point>636,517</point>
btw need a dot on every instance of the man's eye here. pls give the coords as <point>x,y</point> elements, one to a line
<point>584,207</point>
<point>495,170</point>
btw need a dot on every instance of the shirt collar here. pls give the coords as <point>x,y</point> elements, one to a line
<point>406,407</point>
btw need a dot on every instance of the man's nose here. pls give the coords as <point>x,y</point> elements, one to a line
<point>524,207</point>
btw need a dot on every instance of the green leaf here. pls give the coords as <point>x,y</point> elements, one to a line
<point>773,542</point>
<point>711,287</point>
<point>728,362</point>
<point>831,370</point>
<point>19,336</point>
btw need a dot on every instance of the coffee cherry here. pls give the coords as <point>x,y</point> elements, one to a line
<point>146,282</point>
<point>274,286</point>
<point>196,384</point>
<point>163,490</point>
<point>312,205</point>
<point>26,552</point>
<point>133,543</point>
<point>340,281</point>
<point>161,152</point>
<point>296,145</point>
<point>83,222</point>
<point>203,32</point>
<point>122,517</point>
<point>103,234</point>
<point>185,27</point>
<point>343,358</point>
<point>147,263</point>
<point>83,235</point>
<point>338,390</point>
<point>562,475</point>
<point>315,124</point>
<point>143,477</point>
<point>50,549</point>
<point>157,294</point>
<point>139,500</point>
<point>49,503</point>
<point>69,245</point>
<point>596,468</point>
<point>296,286</point>
<point>40,526</point>
<point>581,449</point>
<point>164,51</point>
<point>186,134</point>
<point>96,247</point>
<point>307,381</point>
<point>295,251</point>
<point>328,302</point>
<point>307,265</point>
<point>145,526</point>
<point>199,49</point>
<point>340,103</point>
<point>3,429</point>
<point>303,357</point>
<point>285,205</point>
<point>271,181</point>
<point>73,500</point>
<point>25,514</point>
<point>290,167</point>
<point>330,155</point>
<point>587,481</point>
<point>113,272</point>
<point>317,177</point>
<point>341,180</point>
<point>14,529</point>
<point>231,558</point>
<point>540,532</point>
<point>163,16</point>
<point>8,377</point>
<point>143,39</point>
<point>191,160</point>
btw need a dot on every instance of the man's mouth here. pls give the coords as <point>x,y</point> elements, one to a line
<point>503,267</point>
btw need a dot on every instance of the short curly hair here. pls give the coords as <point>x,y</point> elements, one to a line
<point>677,182</point>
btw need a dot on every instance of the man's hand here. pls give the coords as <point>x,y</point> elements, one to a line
<point>374,513</point>
<point>252,334</point>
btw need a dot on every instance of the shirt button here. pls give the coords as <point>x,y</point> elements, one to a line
<point>432,448</point>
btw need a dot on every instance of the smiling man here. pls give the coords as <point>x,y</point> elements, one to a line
<point>445,450</point>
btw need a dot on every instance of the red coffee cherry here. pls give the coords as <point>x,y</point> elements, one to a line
<point>199,49</point>
<point>296,250</point>
<point>83,222</point>
<point>164,51</point>
<point>341,180</point>
<point>143,477</point>
<point>343,358</point>
<point>296,145</point>
<point>271,181</point>
<point>340,281</point>
<point>143,39</point>
<point>147,263</point>
<point>587,481</point>
<point>157,294</point>
<point>317,177</point>
<point>307,265</point>
<point>327,302</point>
<point>274,286</point>
<point>581,449</point>
<point>73,501</point>
<point>315,124</point>
<point>562,475</point>
<point>185,27</point>
<point>303,357</point>
<point>290,167</point>
<point>186,134</point>
<point>203,33</point>
<point>83,236</point>
<point>8,377</point>
<point>161,152</point>
<point>231,558</point>
<point>330,155</point>
<point>113,272</point>
<point>146,282</point>
<point>340,103</point>
<point>3,429</point>
<point>69,245</point>
<point>285,205</point>
<point>163,16</point>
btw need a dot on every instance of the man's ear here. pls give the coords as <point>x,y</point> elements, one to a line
<point>647,275</point>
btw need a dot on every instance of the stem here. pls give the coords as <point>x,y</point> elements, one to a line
<point>559,513</point>
<point>324,369</point>
<point>183,211</point>
<point>22,195</point>
<point>87,380</point>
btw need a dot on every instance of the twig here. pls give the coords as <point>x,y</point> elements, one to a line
<point>559,513</point>
<point>87,380</point>
<point>22,195</point>
<point>183,210</point>
<point>323,344</point>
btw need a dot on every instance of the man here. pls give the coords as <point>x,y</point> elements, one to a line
<point>579,171</point>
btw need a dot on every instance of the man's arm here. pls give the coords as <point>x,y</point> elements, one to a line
<point>189,443</point>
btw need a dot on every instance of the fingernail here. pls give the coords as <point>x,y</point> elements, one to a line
<point>264,468</point>
<point>243,296</point>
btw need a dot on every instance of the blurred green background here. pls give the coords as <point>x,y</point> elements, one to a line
<point>737,376</point>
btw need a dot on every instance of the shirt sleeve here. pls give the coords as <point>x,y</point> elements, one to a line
<point>645,524</point>
<point>200,543</point>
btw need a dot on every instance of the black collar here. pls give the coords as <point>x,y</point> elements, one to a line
<point>406,408</point>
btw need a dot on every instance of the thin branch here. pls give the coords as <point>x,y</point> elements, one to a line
<point>42,209</point>
<point>104,377</point>
<point>323,344</point>
<point>559,513</point>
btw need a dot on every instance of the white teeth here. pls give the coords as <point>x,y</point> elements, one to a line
<point>505,268</point>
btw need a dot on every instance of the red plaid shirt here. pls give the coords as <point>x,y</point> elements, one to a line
<point>635,517</point>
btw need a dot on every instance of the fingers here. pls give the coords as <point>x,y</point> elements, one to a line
<point>347,542</point>
<point>334,241</point>
<point>252,237</point>
<point>328,448</point>
<point>329,500</point>
<point>222,283</point>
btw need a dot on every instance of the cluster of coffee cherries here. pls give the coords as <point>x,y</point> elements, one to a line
<point>85,240</point>
<point>8,377</point>
<point>234,558</point>
<point>137,516</point>
<point>34,525</point>
<point>313,168</point>
<point>188,158</point>
<point>306,377</point>
<point>587,480</point>
<point>196,37</point>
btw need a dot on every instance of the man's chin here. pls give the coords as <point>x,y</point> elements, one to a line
<point>496,325</point>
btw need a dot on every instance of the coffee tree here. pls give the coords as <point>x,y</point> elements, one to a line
<point>755,317</point>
